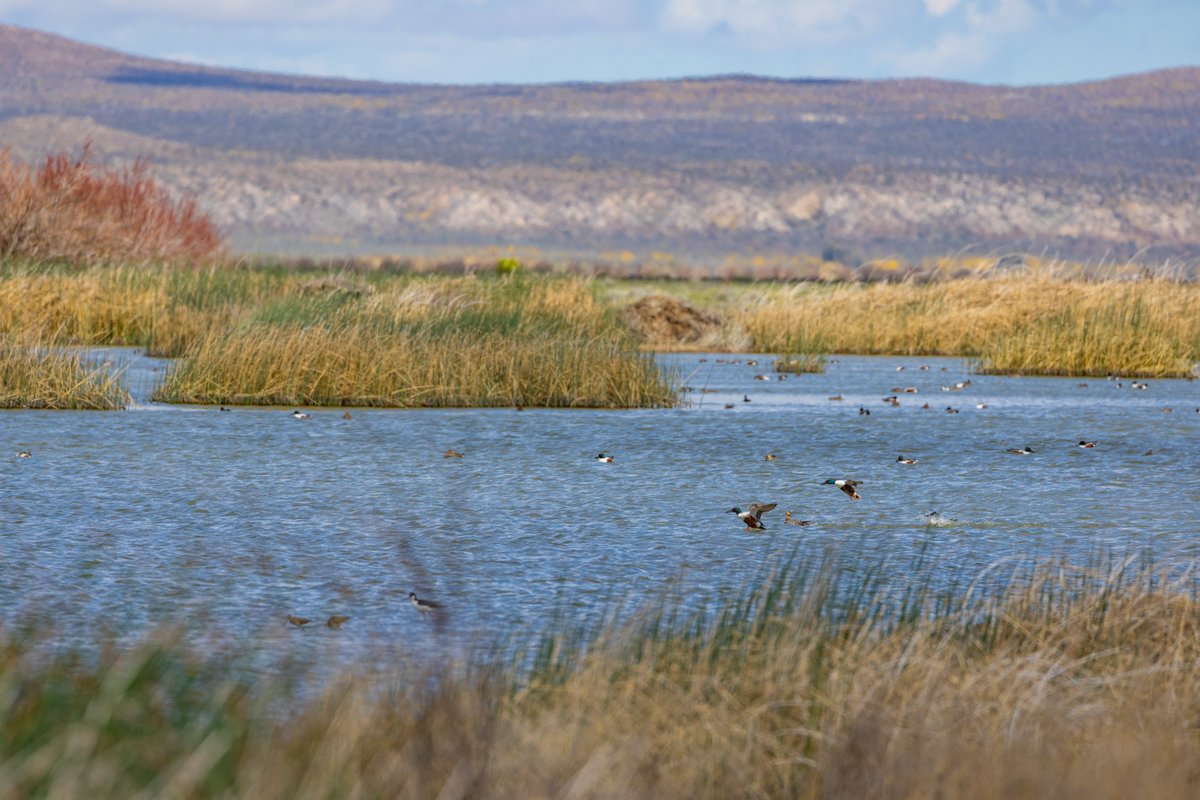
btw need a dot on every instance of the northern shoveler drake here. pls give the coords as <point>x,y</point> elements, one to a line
<point>424,606</point>
<point>903,460</point>
<point>981,406</point>
<point>299,622</point>
<point>1024,451</point>
<point>769,457</point>
<point>862,412</point>
<point>223,408</point>
<point>951,410</point>
<point>300,415</point>
<point>752,516</point>
<point>761,378</point>
<point>603,459</point>
<point>788,519</point>
<point>1087,445</point>
<point>936,519</point>
<point>24,454</point>
<point>336,621</point>
<point>452,453</point>
<point>751,362</point>
<point>846,486</point>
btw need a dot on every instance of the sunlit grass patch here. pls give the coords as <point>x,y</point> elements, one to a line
<point>1031,325</point>
<point>466,342</point>
<point>33,375</point>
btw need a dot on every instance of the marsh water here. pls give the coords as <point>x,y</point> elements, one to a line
<point>225,522</point>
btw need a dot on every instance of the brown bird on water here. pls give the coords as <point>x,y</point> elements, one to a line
<point>452,453</point>
<point>299,622</point>
<point>336,621</point>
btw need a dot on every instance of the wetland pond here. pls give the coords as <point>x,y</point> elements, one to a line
<point>226,522</point>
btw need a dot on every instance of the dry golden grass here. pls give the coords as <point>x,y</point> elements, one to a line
<point>1021,324</point>
<point>32,375</point>
<point>461,342</point>
<point>1071,685</point>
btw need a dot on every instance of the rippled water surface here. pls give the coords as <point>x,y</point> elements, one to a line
<point>228,521</point>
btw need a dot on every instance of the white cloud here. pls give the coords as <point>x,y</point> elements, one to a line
<point>986,29</point>
<point>773,21</point>
<point>940,8</point>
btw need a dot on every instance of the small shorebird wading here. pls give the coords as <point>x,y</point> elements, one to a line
<point>752,516</point>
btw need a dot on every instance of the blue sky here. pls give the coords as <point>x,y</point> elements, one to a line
<point>484,41</point>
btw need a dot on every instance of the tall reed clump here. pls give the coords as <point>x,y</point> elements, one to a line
<point>33,375</point>
<point>1020,324</point>
<point>1067,684</point>
<point>512,340</point>
<point>160,307</point>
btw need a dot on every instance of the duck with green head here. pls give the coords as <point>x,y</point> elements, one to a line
<point>845,485</point>
<point>752,516</point>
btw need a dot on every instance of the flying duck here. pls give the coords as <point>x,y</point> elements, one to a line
<point>752,516</point>
<point>846,486</point>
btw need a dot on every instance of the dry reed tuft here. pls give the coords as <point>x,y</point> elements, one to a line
<point>462,342</point>
<point>1069,684</point>
<point>32,375</point>
<point>1022,324</point>
<point>75,210</point>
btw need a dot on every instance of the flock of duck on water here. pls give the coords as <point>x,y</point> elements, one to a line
<point>752,515</point>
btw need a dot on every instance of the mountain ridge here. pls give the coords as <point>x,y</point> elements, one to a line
<point>699,167</point>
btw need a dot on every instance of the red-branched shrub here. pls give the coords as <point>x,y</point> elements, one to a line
<point>74,209</point>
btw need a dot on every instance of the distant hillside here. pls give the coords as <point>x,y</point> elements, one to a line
<point>697,167</point>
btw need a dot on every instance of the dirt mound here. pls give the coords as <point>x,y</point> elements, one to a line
<point>659,319</point>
